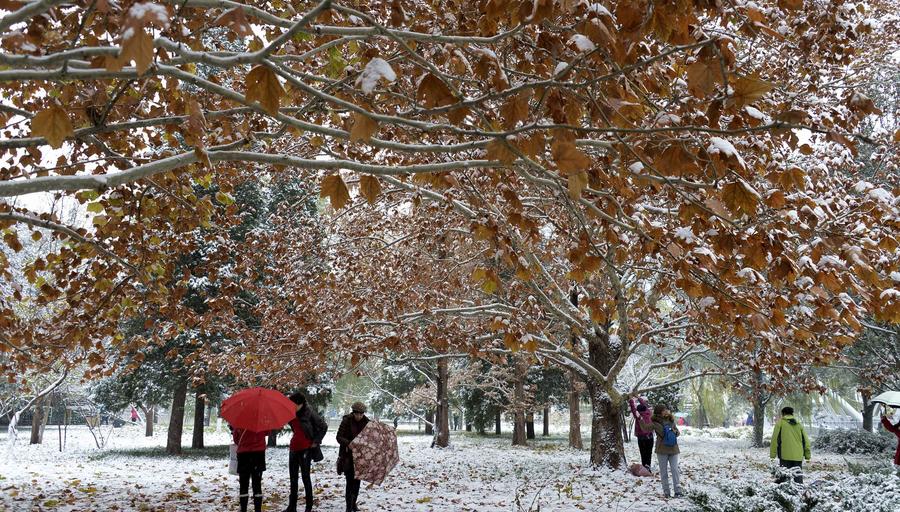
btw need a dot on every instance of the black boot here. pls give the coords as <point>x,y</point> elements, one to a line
<point>244,501</point>
<point>257,504</point>
<point>292,504</point>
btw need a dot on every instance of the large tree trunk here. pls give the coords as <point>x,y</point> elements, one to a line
<point>443,412</point>
<point>176,419</point>
<point>759,411</point>
<point>429,423</point>
<point>529,425</point>
<point>606,435</point>
<point>37,421</point>
<point>867,412</point>
<point>149,413</point>
<point>546,421</point>
<point>575,412</point>
<point>498,420</point>
<point>199,410</point>
<point>519,434</point>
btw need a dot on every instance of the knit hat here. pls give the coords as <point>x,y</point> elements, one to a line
<point>358,407</point>
<point>641,407</point>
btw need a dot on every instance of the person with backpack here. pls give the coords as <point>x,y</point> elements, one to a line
<point>309,429</point>
<point>894,429</point>
<point>662,423</point>
<point>641,413</point>
<point>790,444</point>
<point>251,462</point>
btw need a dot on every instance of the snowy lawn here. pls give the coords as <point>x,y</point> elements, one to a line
<point>474,474</point>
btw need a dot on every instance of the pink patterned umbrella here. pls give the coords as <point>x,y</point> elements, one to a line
<point>374,452</point>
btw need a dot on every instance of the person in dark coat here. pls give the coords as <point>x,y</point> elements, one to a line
<point>309,429</point>
<point>251,462</point>
<point>351,425</point>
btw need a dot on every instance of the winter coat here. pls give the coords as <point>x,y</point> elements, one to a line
<point>895,429</point>
<point>641,417</point>
<point>656,426</point>
<point>346,433</point>
<point>789,440</point>
<point>248,441</point>
<point>309,429</point>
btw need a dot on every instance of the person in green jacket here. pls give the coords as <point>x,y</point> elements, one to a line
<point>790,444</point>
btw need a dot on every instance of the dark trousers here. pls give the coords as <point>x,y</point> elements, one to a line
<point>257,491</point>
<point>645,445</point>
<point>298,464</point>
<point>352,489</point>
<point>798,476</point>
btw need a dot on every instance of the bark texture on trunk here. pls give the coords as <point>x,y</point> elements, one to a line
<point>575,386</point>
<point>529,425</point>
<point>546,421</point>
<point>759,417</point>
<point>498,420</point>
<point>867,413</point>
<point>429,424</point>
<point>199,414</point>
<point>443,412</point>
<point>519,435</point>
<point>607,448</point>
<point>176,419</point>
<point>37,421</point>
<point>149,413</point>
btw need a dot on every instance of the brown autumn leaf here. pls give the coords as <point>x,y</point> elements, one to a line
<point>195,128</point>
<point>236,20</point>
<point>497,149</point>
<point>792,5</point>
<point>335,189</point>
<point>369,187</point>
<point>533,145</point>
<point>515,109</point>
<point>568,158</point>
<point>52,124</point>
<point>702,77</point>
<point>364,127</point>
<point>748,89</point>
<point>578,181</point>
<point>137,47</point>
<point>433,92</point>
<point>676,161</point>
<point>739,198</point>
<point>262,85</point>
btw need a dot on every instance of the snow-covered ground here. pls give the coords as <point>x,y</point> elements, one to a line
<point>475,474</point>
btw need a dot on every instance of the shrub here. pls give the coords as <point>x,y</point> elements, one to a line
<point>871,492</point>
<point>858,442</point>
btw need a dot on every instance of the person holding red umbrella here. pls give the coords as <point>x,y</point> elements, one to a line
<point>253,413</point>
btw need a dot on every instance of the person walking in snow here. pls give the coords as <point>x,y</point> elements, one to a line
<point>251,462</point>
<point>790,444</point>
<point>351,425</point>
<point>642,413</point>
<point>894,429</point>
<point>662,423</point>
<point>309,429</point>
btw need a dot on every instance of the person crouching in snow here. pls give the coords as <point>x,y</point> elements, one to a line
<point>251,462</point>
<point>790,444</point>
<point>309,429</point>
<point>663,425</point>
<point>351,425</point>
<point>895,429</point>
<point>642,413</point>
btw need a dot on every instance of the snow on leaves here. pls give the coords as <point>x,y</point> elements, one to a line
<point>377,69</point>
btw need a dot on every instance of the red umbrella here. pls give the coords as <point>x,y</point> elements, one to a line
<point>258,409</point>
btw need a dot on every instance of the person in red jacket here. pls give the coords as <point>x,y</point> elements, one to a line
<point>251,462</point>
<point>895,429</point>
<point>309,429</point>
